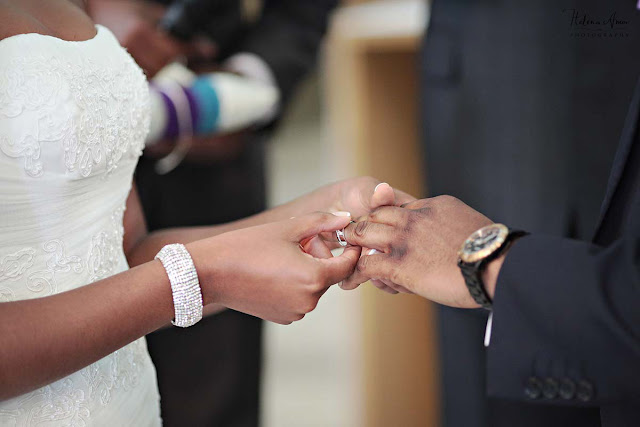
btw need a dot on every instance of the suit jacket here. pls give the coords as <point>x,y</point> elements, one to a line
<point>566,325</point>
<point>528,117</point>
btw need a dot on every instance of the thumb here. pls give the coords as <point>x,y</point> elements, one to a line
<point>313,224</point>
<point>383,195</point>
<point>338,268</point>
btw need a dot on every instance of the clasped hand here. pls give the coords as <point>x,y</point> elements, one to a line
<point>416,249</point>
<point>278,271</point>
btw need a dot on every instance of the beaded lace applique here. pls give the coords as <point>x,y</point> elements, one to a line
<point>107,119</point>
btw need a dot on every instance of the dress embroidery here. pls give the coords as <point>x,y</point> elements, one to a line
<point>108,118</point>
<point>123,369</point>
<point>12,266</point>
<point>106,248</point>
<point>66,400</point>
<point>44,280</point>
<point>74,116</point>
<point>59,401</point>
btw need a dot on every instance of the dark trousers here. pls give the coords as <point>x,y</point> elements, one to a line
<point>208,374</point>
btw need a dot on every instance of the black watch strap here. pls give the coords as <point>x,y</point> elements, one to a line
<point>472,272</point>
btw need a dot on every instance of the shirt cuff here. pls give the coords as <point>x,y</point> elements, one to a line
<point>252,66</point>
<point>487,332</point>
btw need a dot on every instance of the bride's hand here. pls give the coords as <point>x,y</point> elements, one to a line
<point>362,195</point>
<point>263,270</point>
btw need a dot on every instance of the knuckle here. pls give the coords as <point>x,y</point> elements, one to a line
<point>317,276</point>
<point>446,199</point>
<point>395,276</point>
<point>362,265</point>
<point>399,251</point>
<point>361,228</point>
<point>374,216</point>
<point>318,218</point>
<point>422,211</point>
<point>378,213</point>
<point>309,305</point>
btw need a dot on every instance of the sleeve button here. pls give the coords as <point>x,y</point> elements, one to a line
<point>533,388</point>
<point>567,389</point>
<point>585,391</point>
<point>550,388</point>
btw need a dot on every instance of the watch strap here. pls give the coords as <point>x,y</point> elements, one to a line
<point>472,272</point>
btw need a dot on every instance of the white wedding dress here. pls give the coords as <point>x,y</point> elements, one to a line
<point>73,120</point>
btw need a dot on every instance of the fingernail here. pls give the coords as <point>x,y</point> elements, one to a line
<point>378,186</point>
<point>373,252</point>
<point>341,213</point>
<point>292,217</point>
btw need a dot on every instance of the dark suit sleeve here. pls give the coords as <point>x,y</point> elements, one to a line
<point>566,325</point>
<point>287,38</point>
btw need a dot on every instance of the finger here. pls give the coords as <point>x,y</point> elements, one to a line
<point>399,288</point>
<point>370,234</point>
<point>336,269</point>
<point>316,223</point>
<point>417,204</point>
<point>375,265</point>
<point>330,239</point>
<point>355,280</point>
<point>383,287</point>
<point>383,195</point>
<point>390,215</point>
<point>385,284</point>
<point>402,198</point>
<point>317,248</point>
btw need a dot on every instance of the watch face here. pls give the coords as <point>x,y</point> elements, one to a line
<point>483,242</point>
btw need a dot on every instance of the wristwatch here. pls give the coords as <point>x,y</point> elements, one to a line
<point>482,247</point>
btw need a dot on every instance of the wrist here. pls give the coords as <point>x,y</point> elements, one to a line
<point>208,271</point>
<point>490,274</point>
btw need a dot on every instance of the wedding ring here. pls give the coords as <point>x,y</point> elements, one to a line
<point>341,238</point>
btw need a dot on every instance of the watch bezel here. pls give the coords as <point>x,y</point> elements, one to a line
<point>472,257</point>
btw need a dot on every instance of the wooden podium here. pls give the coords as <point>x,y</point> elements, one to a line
<point>372,95</point>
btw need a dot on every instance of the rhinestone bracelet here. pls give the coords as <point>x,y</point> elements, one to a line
<point>187,296</point>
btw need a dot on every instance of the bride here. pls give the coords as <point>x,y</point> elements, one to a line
<point>73,118</point>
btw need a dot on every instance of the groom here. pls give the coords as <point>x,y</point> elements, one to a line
<point>565,314</point>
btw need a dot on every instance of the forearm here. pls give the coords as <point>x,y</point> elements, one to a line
<point>45,339</point>
<point>318,200</point>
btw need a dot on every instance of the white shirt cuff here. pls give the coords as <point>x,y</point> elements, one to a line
<point>487,332</point>
<point>252,66</point>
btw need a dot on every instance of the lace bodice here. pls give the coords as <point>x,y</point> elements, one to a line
<point>73,118</point>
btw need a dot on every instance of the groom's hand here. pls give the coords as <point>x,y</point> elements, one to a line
<point>418,246</point>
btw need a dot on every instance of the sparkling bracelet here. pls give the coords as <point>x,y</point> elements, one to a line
<point>187,296</point>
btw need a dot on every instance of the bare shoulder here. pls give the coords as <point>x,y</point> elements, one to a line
<point>59,18</point>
